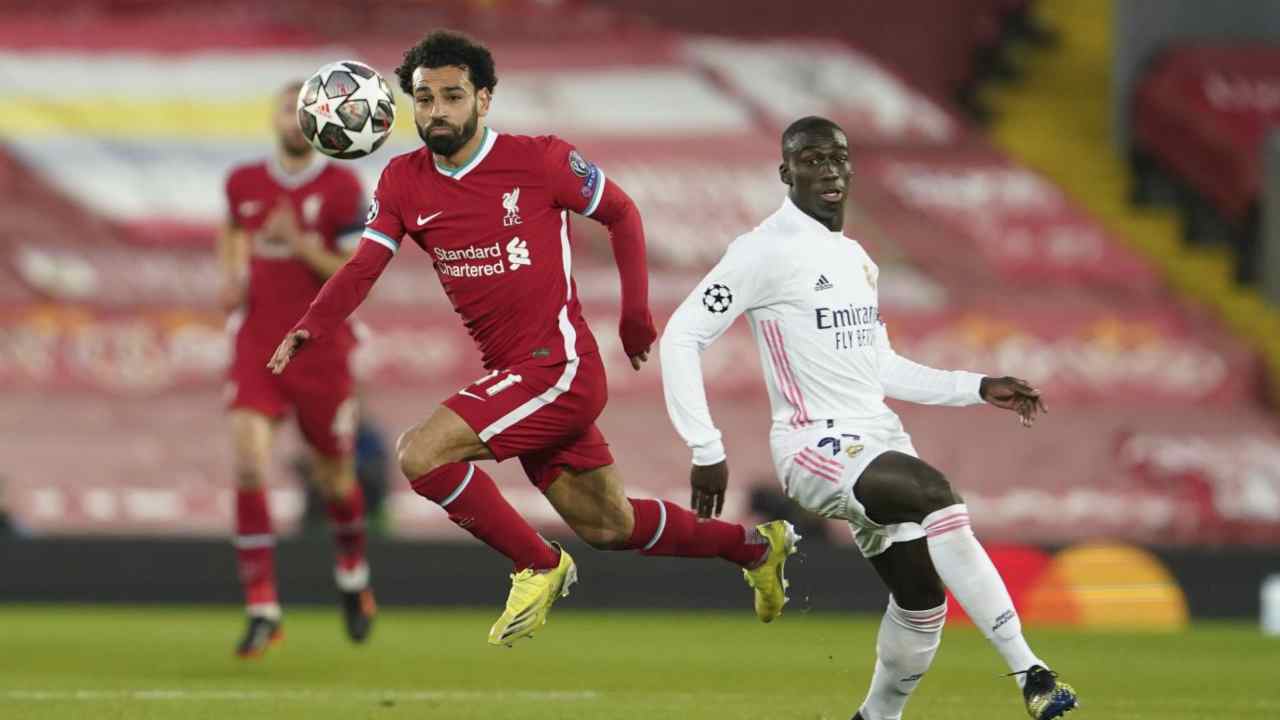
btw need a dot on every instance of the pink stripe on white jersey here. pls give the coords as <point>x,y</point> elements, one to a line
<point>804,462</point>
<point>824,461</point>
<point>780,377</point>
<point>786,365</point>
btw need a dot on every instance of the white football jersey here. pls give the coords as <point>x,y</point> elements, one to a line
<point>811,297</point>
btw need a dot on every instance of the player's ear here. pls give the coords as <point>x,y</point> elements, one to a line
<point>483,97</point>
<point>784,173</point>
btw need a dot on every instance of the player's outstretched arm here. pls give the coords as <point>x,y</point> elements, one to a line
<point>335,302</point>
<point>905,379</point>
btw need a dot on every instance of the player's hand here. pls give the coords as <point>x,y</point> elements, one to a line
<point>638,333</point>
<point>289,347</point>
<point>281,225</point>
<point>709,483</point>
<point>304,243</point>
<point>1014,394</point>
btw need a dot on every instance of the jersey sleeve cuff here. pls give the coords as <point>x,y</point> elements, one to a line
<point>709,454</point>
<point>969,386</point>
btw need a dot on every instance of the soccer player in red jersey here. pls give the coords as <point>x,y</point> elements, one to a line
<point>492,212</point>
<point>294,220</point>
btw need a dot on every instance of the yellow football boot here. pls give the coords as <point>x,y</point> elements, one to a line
<point>532,595</point>
<point>768,580</point>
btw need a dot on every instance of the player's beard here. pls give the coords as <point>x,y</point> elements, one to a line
<point>295,145</point>
<point>446,145</point>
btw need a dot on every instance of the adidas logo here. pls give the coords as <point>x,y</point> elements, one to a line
<point>823,283</point>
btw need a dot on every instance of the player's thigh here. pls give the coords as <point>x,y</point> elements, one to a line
<point>900,488</point>
<point>443,438</point>
<point>907,570</point>
<point>333,475</point>
<point>594,503</point>
<point>820,474</point>
<point>251,435</point>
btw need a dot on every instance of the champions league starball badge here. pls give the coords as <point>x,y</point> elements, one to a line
<point>717,298</point>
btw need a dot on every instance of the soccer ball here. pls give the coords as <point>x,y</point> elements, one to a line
<point>346,110</point>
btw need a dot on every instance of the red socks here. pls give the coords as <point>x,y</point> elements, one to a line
<point>346,518</point>
<point>474,504</point>
<point>256,552</point>
<point>664,528</point>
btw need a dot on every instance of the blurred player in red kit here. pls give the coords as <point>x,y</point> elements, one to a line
<point>492,212</point>
<point>294,220</point>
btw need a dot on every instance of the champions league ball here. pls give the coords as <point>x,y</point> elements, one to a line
<point>346,110</point>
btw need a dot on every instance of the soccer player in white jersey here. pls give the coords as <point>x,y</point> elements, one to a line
<point>811,297</point>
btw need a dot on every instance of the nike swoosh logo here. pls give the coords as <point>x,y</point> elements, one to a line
<point>427,219</point>
<point>470,395</point>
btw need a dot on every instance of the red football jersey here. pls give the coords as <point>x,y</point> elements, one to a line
<point>326,199</point>
<point>497,231</point>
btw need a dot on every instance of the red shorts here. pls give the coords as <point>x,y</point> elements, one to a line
<point>544,415</point>
<point>317,385</point>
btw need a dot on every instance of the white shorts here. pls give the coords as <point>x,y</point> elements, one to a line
<point>820,465</point>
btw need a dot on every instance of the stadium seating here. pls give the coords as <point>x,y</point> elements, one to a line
<point>110,343</point>
<point>1200,115</point>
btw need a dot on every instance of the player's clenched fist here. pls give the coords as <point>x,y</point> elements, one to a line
<point>289,347</point>
<point>709,484</point>
<point>637,333</point>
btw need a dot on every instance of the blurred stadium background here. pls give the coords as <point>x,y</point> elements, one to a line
<point>1085,194</point>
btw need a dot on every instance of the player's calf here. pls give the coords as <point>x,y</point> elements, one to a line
<point>603,536</point>
<point>594,505</point>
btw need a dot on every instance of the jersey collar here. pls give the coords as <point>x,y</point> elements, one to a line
<point>490,137</point>
<point>798,217</point>
<point>302,177</point>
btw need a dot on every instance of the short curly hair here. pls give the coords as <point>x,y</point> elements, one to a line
<point>443,48</point>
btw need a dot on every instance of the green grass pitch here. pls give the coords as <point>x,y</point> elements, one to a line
<point>81,662</point>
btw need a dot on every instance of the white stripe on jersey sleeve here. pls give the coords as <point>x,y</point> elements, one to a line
<point>381,239</point>
<point>595,199</point>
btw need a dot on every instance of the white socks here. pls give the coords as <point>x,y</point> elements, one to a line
<point>353,580</point>
<point>967,572</point>
<point>905,647</point>
<point>270,611</point>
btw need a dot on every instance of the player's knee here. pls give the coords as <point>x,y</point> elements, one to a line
<point>333,479</point>
<point>249,475</point>
<point>922,593</point>
<point>415,454</point>
<point>934,490</point>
